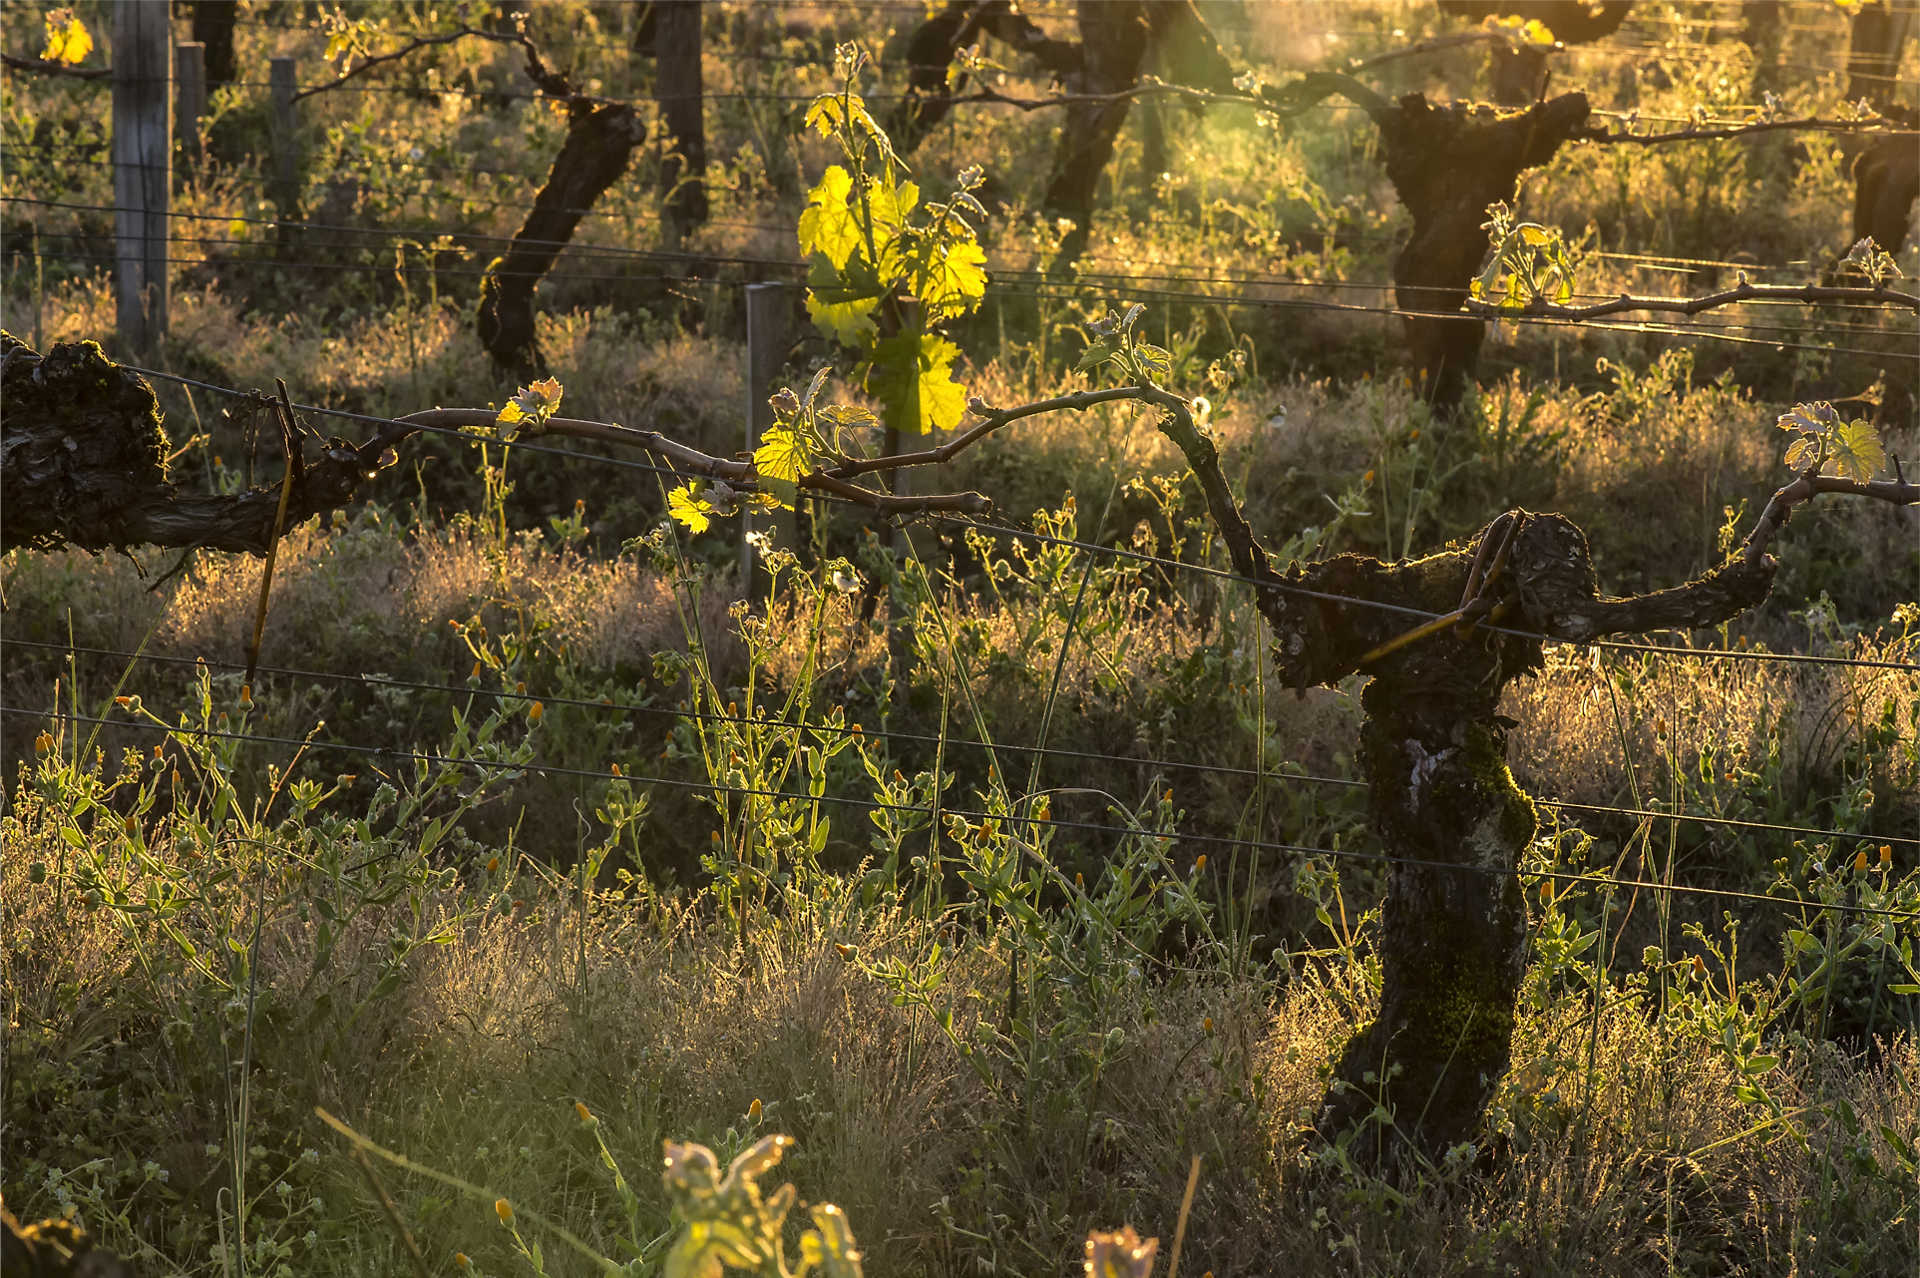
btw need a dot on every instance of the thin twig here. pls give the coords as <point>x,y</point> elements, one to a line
<point>992,419</point>
<point>47,66</point>
<point>1701,133</point>
<point>1809,294</point>
<point>546,80</point>
<point>386,1202</point>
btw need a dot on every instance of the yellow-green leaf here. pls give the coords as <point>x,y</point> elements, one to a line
<point>784,453</point>
<point>1537,33</point>
<point>829,225</point>
<point>850,323</point>
<point>1856,451</point>
<point>692,1257</point>
<point>688,507</point>
<point>1803,450</point>
<point>912,376</point>
<point>951,282</point>
<point>889,206</point>
<point>830,110</point>
<point>68,40</point>
<point>535,403</point>
<point>1535,234</point>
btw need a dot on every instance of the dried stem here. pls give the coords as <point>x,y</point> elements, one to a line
<point>549,81</point>
<point>1697,133</point>
<point>1810,294</point>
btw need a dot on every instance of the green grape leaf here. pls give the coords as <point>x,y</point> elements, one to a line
<point>813,388</point>
<point>1855,450</point>
<point>912,377</point>
<point>1154,361</point>
<point>842,302</point>
<point>1802,451</point>
<point>781,493</point>
<point>1815,416</point>
<point>829,224</point>
<point>533,405</point>
<point>688,507</point>
<point>889,205</point>
<point>1096,354</point>
<point>831,110</point>
<point>784,453</point>
<point>846,416</point>
<point>950,281</point>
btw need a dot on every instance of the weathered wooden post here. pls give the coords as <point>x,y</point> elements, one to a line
<point>189,97</point>
<point>767,313</point>
<point>142,167</point>
<point>286,154</point>
<point>679,89</point>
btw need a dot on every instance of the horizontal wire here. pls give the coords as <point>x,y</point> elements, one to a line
<point>935,810</point>
<point>1714,332</point>
<point>1020,283</point>
<point>1129,264</point>
<point>1208,570</point>
<point>1116,552</point>
<point>601,277</point>
<point>456,432</point>
<point>921,738</point>
<point>1002,273</point>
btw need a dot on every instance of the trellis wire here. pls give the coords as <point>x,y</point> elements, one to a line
<point>1117,552</point>
<point>711,787</point>
<point>1705,331</point>
<point>1003,275</point>
<point>604,706</point>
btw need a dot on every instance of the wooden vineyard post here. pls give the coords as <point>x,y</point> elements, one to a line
<point>286,156</point>
<point>766,352</point>
<point>189,97</point>
<point>142,167</point>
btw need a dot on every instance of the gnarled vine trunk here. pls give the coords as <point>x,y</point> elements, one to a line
<point>1518,72</point>
<point>83,462</point>
<point>1448,164</point>
<point>600,141</point>
<point>1452,939</point>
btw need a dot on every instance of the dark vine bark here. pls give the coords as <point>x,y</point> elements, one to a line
<point>1448,164</point>
<point>213,26</point>
<point>600,141</point>
<point>1115,39</point>
<point>1762,23</point>
<point>677,46</point>
<point>933,46</point>
<point>83,462</point>
<point>1878,33</point>
<point>1518,72</point>
<point>1452,940</point>
<point>1886,181</point>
